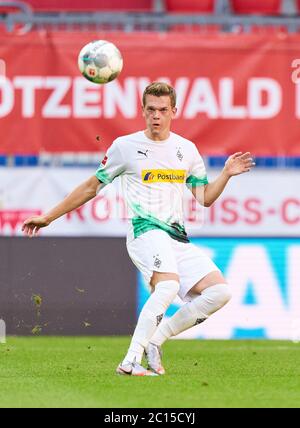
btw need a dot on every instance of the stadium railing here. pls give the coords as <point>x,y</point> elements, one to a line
<point>222,18</point>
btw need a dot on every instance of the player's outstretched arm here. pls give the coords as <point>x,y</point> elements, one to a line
<point>236,164</point>
<point>79,196</point>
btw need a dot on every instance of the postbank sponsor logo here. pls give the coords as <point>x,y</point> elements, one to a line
<point>163,175</point>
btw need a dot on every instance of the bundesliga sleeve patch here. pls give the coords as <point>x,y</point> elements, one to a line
<point>104,160</point>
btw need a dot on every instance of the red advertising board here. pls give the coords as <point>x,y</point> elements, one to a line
<point>235,92</point>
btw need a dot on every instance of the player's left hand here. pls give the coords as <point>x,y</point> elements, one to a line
<point>238,163</point>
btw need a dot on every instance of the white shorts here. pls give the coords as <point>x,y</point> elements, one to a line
<point>156,251</point>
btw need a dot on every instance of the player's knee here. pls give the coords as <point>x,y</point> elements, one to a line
<point>218,294</point>
<point>223,294</point>
<point>168,286</point>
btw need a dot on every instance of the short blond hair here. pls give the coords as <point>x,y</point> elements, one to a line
<point>159,89</point>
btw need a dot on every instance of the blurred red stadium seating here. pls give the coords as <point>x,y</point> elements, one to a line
<point>263,7</point>
<point>90,5</point>
<point>189,6</point>
<point>195,28</point>
<point>269,29</point>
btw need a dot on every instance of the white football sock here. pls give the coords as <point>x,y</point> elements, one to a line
<point>150,317</point>
<point>195,312</point>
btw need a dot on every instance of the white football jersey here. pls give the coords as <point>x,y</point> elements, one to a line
<point>153,175</point>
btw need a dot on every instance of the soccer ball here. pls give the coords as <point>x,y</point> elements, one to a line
<point>100,61</point>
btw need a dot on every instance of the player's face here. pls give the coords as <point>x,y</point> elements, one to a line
<point>158,114</point>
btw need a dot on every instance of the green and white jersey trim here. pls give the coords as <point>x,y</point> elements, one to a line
<point>143,225</point>
<point>144,222</point>
<point>103,176</point>
<point>196,181</point>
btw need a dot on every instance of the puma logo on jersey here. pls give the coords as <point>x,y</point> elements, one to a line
<point>143,153</point>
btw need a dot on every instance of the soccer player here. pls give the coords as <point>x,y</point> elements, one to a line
<point>155,165</point>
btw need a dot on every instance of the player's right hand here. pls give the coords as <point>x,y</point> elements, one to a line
<point>32,225</point>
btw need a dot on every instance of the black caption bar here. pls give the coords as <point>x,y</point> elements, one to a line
<point>135,417</point>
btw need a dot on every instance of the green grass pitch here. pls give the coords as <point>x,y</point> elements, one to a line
<point>80,372</point>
